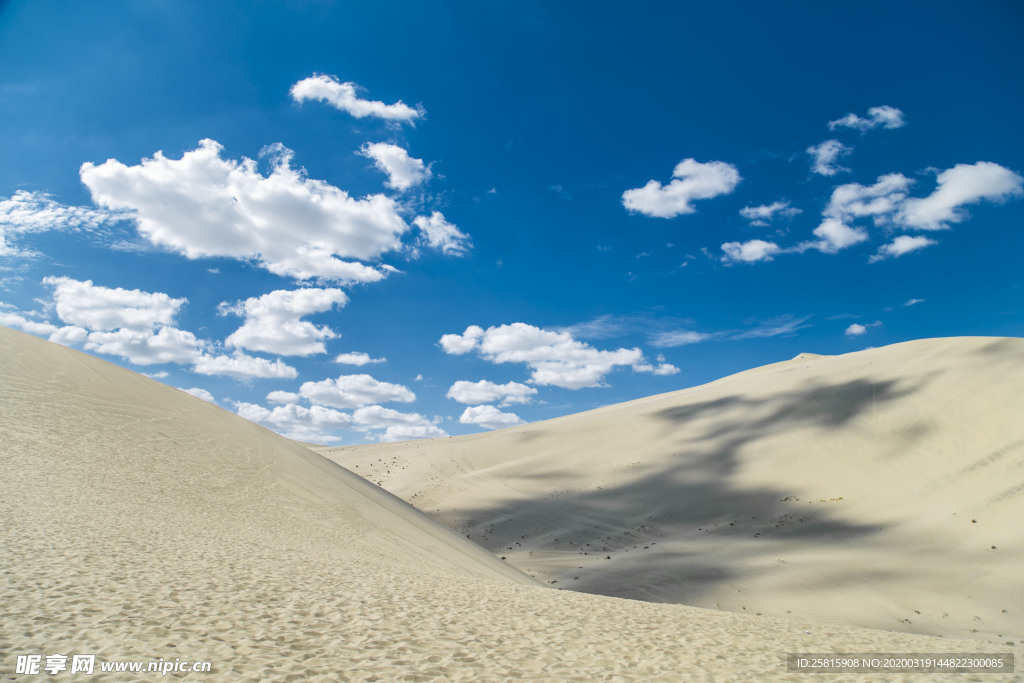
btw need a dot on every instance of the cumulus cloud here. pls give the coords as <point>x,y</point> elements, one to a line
<point>904,244</point>
<point>283,397</point>
<point>460,344</point>
<point>243,366</point>
<point>202,205</point>
<point>146,346</point>
<point>438,233</point>
<point>750,251</point>
<point>273,321</point>
<point>354,391</point>
<point>957,186</point>
<point>692,180</point>
<point>662,369</point>
<point>856,329</point>
<point>315,424</point>
<point>10,318</point>
<point>357,358</point>
<point>884,117</point>
<point>825,157</point>
<point>854,201</point>
<point>879,201</point>
<point>834,235</point>
<point>887,204</point>
<point>412,432</point>
<point>129,323</point>
<point>329,89</point>
<point>555,358</point>
<point>473,393</point>
<point>80,302</point>
<point>397,426</point>
<point>137,326</point>
<point>766,213</point>
<point>489,417</point>
<point>403,171</point>
<point>34,212</point>
<point>200,393</point>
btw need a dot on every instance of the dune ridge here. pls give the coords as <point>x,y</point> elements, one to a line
<point>143,523</point>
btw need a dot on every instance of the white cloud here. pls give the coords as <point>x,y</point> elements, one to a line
<point>887,203</point>
<point>826,157</point>
<point>403,171</point>
<point>316,424</point>
<point>783,325</point>
<point>411,432</point>
<point>675,338</point>
<point>354,391</point>
<point>70,335</point>
<point>20,322</point>
<point>397,426</point>
<point>33,212</point>
<point>473,393</point>
<point>460,344</point>
<point>555,358</point>
<point>691,180</point>
<point>904,244</point>
<point>273,321</point>
<point>329,89</point>
<point>139,327</point>
<point>880,201</point>
<point>750,251</point>
<point>764,214</point>
<point>200,393</point>
<point>128,323</point>
<point>357,358</point>
<point>662,369</point>
<point>834,235</point>
<point>147,347</point>
<point>102,308</point>
<point>202,205</point>
<point>884,116</point>
<point>962,184</point>
<point>243,366</point>
<point>489,417</point>
<point>852,201</point>
<point>913,302</point>
<point>282,397</point>
<point>438,233</point>
<point>856,330</point>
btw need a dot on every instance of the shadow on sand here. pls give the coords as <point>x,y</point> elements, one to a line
<point>682,496</point>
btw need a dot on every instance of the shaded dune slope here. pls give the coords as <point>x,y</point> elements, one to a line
<point>882,488</point>
<point>142,523</point>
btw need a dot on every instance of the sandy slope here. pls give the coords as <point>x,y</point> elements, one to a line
<point>883,488</point>
<point>141,523</point>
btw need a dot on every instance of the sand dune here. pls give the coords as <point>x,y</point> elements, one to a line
<point>883,488</point>
<point>142,523</point>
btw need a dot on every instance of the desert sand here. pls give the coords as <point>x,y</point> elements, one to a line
<point>139,522</point>
<point>883,488</point>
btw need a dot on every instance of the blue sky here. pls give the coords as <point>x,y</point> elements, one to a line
<point>406,220</point>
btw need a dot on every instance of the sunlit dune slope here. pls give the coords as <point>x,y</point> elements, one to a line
<point>140,523</point>
<point>883,488</point>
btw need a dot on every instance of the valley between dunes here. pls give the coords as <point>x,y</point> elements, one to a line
<point>828,494</point>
